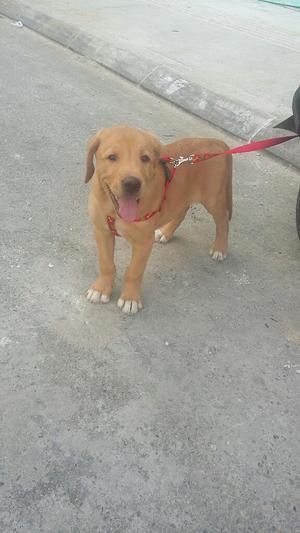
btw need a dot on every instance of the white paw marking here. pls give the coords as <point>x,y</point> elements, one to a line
<point>96,297</point>
<point>130,307</point>
<point>159,237</point>
<point>217,256</point>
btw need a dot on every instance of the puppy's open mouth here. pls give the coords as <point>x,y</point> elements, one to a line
<point>126,206</point>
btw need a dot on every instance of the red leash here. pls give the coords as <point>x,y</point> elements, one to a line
<point>197,158</point>
<point>250,147</point>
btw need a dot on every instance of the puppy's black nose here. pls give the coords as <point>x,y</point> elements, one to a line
<point>131,185</point>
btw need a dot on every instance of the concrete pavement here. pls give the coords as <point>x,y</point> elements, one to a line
<point>235,64</point>
<point>184,418</point>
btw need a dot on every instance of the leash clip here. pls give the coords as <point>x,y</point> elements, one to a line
<point>182,159</point>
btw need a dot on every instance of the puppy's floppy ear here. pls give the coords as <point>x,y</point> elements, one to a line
<point>92,149</point>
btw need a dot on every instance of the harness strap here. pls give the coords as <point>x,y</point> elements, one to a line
<point>111,222</point>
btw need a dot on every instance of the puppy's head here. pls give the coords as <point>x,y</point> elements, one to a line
<point>126,164</point>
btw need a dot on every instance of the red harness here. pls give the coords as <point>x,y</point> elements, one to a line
<point>197,158</point>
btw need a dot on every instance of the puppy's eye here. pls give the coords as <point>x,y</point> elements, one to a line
<point>112,157</point>
<point>145,158</point>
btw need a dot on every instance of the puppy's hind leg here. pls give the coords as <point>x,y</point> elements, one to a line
<point>221,210</point>
<point>164,234</point>
<point>219,247</point>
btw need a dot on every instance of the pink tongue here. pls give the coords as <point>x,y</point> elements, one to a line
<point>128,208</point>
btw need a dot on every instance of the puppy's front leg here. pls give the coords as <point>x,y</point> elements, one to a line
<point>130,299</point>
<point>101,290</point>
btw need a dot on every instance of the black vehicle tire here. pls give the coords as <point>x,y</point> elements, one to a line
<point>298,214</point>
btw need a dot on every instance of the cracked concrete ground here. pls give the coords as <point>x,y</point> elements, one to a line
<point>184,418</point>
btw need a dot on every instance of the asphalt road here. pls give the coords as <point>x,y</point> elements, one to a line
<point>184,418</point>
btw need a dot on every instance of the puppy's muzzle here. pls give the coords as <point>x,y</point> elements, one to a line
<point>131,185</point>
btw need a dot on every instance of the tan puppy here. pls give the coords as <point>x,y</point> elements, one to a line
<point>128,183</point>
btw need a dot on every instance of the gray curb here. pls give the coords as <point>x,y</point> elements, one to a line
<point>229,115</point>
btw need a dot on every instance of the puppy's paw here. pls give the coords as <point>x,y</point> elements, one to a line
<point>160,237</point>
<point>100,291</point>
<point>130,307</point>
<point>97,297</point>
<point>217,255</point>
